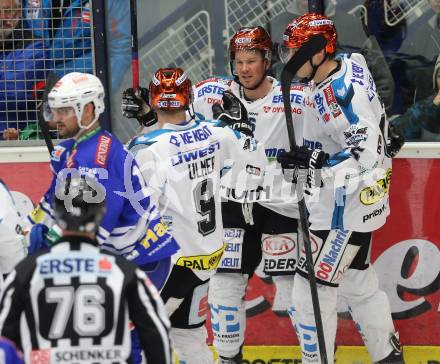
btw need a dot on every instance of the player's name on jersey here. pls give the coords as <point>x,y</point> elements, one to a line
<point>201,168</point>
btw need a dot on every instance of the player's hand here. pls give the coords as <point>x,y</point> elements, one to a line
<point>11,134</point>
<point>233,114</point>
<point>37,239</point>
<point>301,158</point>
<point>135,106</point>
<point>395,141</point>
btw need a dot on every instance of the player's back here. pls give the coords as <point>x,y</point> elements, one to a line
<point>74,305</point>
<point>183,165</point>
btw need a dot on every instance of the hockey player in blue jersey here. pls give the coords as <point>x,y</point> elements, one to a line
<point>132,226</point>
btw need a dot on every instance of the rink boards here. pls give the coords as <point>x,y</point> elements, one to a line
<point>344,355</point>
<point>405,255</point>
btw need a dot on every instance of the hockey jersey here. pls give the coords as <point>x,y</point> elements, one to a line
<point>267,115</point>
<point>12,248</point>
<point>72,304</point>
<point>131,225</point>
<point>182,165</point>
<point>348,122</point>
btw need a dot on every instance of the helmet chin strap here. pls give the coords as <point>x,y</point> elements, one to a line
<point>83,128</point>
<point>315,68</point>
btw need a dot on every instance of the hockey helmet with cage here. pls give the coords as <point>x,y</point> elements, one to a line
<point>300,30</point>
<point>76,90</point>
<point>170,89</point>
<point>79,203</point>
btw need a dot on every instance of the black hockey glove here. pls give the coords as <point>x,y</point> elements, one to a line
<point>233,114</point>
<point>395,141</point>
<point>135,106</point>
<point>301,158</point>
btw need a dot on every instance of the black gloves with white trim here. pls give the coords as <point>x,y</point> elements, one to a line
<point>301,158</point>
<point>135,106</point>
<point>233,114</point>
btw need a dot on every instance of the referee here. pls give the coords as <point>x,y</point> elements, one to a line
<point>73,302</point>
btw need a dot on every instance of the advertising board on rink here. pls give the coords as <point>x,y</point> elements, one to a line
<point>405,255</point>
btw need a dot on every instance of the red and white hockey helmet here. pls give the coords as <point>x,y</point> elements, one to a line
<point>170,89</point>
<point>299,32</point>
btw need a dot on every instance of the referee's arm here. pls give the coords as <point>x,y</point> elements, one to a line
<point>148,314</point>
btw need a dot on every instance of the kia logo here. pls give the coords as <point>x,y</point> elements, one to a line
<point>278,245</point>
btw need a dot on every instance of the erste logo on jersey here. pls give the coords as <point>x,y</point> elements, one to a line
<point>210,89</point>
<point>73,264</point>
<point>278,99</point>
<point>319,102</point>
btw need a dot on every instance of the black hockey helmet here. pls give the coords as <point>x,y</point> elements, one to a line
<point>79,203</point>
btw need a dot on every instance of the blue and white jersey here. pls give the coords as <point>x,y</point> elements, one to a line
<point>268,118</point>
<point>348,122</point>
<point>182,165</point>
<point>132,223</point>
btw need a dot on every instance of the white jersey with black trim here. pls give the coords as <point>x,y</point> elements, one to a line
<point>267,115</point>
<point>348,122</point>
<point>12,247</point>
<point>182,165</point>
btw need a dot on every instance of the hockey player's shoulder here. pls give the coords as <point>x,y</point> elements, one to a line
<point>60,149</point>
<point>356,58</point>
<point>106,147</point>
<point>147,139</point>
<point>213,86</point>
<point>223,80</point>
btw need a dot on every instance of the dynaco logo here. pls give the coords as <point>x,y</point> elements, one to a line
<point>279,246</point>
<point>373,194</point>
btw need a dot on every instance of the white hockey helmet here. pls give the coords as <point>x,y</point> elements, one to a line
<point>76,90</point>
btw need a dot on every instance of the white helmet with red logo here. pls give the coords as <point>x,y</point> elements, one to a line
<point>76,90</point>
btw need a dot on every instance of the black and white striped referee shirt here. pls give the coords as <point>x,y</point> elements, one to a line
<point>73,304</point>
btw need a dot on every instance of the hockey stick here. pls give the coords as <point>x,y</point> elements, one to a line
<point>50,82</point>
<point>134,46</point>
<point>302,56</point>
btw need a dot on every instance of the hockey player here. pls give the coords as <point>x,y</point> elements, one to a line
<point>344,137</point>
<point>263,230</point>
<point>72,303</point>
<point>182,162</point>
<point>12,245</point>
<point>268,228</point>
<point>131,225</point>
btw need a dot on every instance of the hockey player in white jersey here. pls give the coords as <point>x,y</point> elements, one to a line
<point>182,162</point>
<point>267,229</point>
<point>12,246</point>
<point>345,137</point>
